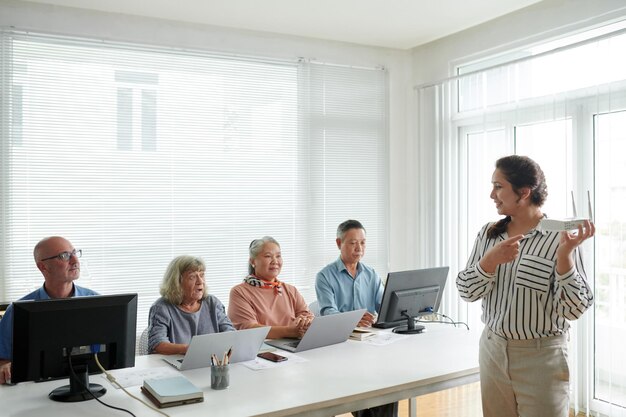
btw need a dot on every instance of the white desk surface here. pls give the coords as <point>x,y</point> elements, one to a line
<point>334,379</point>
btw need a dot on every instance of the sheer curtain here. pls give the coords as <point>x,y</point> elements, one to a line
<point>138,154</point>
<point>565,108</point>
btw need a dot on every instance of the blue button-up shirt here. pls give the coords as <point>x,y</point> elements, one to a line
<point>337,291</point>
<point>6,324</point>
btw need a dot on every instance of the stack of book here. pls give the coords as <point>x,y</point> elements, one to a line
<point>361,333</point>
<point>169,392</point>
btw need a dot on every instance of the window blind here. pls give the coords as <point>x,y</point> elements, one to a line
<point>139,154</point>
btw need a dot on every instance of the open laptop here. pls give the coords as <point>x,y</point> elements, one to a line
<point>245,345</point>
<point>324,331</point>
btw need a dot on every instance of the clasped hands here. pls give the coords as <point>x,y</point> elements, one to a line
<point>367,320</point>
<point>302,323</point>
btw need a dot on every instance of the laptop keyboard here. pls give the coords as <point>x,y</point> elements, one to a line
<point>293,344</point>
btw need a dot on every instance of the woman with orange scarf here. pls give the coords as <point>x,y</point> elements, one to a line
<point>263,300</point>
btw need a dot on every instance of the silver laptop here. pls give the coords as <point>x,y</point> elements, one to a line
<point>324,331</point>
<point>245,345</point>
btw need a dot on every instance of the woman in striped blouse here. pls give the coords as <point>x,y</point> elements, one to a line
<point>530,283</point>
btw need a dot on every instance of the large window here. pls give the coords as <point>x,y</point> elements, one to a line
<point>141,154</point>
<point>610,323</point>
<point>567,110</point>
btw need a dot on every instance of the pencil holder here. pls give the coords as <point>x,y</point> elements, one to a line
<point>220,378</point>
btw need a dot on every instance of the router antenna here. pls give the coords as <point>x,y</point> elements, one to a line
<point>589,203</point>
<point>574,205</point>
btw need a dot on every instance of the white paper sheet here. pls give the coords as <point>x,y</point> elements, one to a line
<point>129,377</point>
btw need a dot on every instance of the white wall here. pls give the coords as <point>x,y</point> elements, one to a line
<point>539,22</point>
<point>107,26</point>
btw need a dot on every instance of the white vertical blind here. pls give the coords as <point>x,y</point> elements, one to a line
<point>141,154</point>
<point>348,177</point>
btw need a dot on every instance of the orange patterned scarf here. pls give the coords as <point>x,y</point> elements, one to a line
<point>261,283</point>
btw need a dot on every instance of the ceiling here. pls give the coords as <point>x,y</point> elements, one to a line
<point>400,24</point>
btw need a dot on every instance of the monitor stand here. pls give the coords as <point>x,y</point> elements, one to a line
<point>75,391</point>
<point>410,328</point>
<point>387,324</point>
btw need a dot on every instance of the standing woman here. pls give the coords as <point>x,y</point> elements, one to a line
<point>531,282</point>
<point>263,300</point>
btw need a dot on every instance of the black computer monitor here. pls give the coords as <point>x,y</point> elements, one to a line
<point>57,338</point>
<point>408,295</point>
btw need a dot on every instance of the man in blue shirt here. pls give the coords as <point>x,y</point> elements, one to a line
<point>58,262</point>
<point>348,284</point>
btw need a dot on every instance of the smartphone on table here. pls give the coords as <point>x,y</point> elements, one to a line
<point>271,356</point>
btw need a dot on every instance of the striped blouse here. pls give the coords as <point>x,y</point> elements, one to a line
<point>526,298</point>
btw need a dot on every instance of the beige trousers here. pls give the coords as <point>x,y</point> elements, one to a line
<point>524,378</point>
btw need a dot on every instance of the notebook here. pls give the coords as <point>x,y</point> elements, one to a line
<point>324,331</point>
<point>361,333</point>
<point>168,392</point>
<point>245,345</point>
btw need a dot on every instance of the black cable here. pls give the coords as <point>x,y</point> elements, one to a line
<point>450,320</point>
<point>91,393</point>
<point>455,322</point>
<point>446,317</point>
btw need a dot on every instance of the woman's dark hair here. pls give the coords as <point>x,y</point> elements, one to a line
<point>521,172</point>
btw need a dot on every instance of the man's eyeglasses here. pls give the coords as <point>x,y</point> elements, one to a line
<point>65,256</point>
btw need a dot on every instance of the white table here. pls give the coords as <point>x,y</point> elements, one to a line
<point>335,379</point>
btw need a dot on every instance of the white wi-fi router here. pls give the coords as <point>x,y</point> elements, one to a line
<point>571,223</point>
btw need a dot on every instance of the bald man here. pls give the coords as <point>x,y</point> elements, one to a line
<point>57,259</point>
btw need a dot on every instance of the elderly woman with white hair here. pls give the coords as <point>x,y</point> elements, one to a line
<point>185,308</point>
<point>263,300</point>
